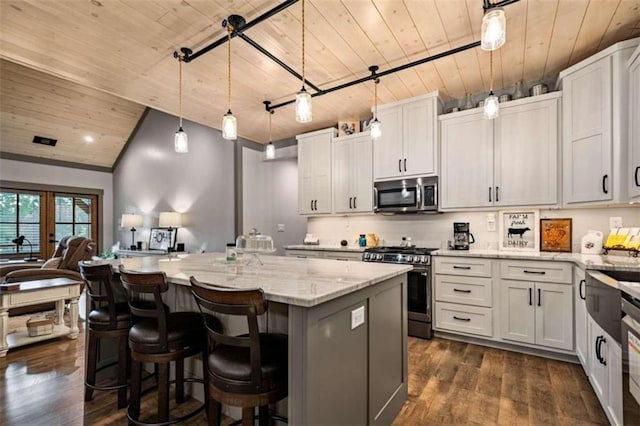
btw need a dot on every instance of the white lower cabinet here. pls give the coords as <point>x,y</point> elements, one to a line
<point>467,319</point>
<point>605,370</point>
<point>324,254</point>
<point>581,315</point>
<point>537,312</point>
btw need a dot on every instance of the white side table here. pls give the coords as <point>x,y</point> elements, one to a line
<point>32,293</point>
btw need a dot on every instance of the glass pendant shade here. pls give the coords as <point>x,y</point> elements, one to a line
<point>491,107</point>
<point>229,126</point>
<point>304,111</point>
<point>494,30</point>
<point>270,151</point>
<point>376,129</point>
<point>181,141</point>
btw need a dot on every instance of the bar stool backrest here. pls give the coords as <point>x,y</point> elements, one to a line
<point>97,278</point>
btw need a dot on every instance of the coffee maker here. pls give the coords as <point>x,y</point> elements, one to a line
<point>461,236</point>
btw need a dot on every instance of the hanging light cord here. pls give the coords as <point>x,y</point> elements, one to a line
<point>180,57</point>
<point>270,114</point>
<point>375,96</point>
<point>303,44</point>
<point>491,71</point>
<point>229,29</point>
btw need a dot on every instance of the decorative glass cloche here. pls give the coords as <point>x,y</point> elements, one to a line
<point>254,243</point>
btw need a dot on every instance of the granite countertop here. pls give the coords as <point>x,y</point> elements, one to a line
<point>584,261</point>
<point>294,281</point>
<point>322,247</point>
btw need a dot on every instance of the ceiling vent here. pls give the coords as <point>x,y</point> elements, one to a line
<point>45,141</point>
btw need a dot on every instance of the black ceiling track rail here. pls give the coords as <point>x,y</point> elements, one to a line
<point>238,25</point>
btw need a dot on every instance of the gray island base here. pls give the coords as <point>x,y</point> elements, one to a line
<point>346,322</point>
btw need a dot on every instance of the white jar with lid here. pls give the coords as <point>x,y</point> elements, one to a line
<point>591,243</point>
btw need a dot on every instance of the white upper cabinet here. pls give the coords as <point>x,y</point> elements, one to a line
<point>509,161</point>
<point>408,145</point>
<point>352,174</point>
<point>314,171</point>
<point>595,127</point>
<point>634,126</point>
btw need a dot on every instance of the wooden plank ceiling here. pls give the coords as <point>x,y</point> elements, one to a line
<point>124,48</point>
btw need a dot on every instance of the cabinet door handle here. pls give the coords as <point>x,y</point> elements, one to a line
<point>580,288</point>
<point>400,165</point>
<point>534,272</point>
<point>461,291</point>
<point>635,176</point>
<point>497,194</point>
<point>490,194</point>
<point>405,164</point>
<point>598,348</point>
<point>350,204</point>
<point>602,359</point>
<point>316,205</point>
<point>605,180</point>
<point>539,298</point>
<point>311,204</point>
<point>530,296</point>
<point>461,319</point>
<point>461,267</point>
<point>354,203</point>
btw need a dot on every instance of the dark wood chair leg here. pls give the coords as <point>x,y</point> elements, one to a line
<point>163,392</point>
<point>214,412</point>
<point>123,354</point>
<point>247,416</point>
<point>134,394</point>
<point>179,381</point>
<point>92,358</point>
<point>263,415</point>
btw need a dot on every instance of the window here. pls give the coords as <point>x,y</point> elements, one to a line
<point>73,216</point>
<point>20,214</point>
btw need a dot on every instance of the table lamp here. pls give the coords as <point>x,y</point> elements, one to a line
<point>131,220</point>
<point>20,241</point>
<point>171,221</point>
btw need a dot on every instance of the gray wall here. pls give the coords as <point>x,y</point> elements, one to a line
<point>151,178</point>
<point>270,197</point>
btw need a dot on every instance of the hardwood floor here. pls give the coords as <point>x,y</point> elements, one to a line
<point>458,383</point>
<point>449,383</point>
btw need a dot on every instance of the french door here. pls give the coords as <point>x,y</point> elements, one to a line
<point>43,218</point>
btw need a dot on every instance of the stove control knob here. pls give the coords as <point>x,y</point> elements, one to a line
<point>423,259</point>
<point>409,258</point>
<point>379,256</point>
<point>366,256</point>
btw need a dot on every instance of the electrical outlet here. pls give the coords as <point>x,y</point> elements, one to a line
<point>281,227</point>
<point>615,222</point>
<point>491,222</point>
<point>357,317</point>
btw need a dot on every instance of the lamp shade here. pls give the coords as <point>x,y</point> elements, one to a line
<point>170,220</point>
<point>131,220</point>
<point>491,107</point>
<point>304,111</point>
<point>376,129</point>
<point>494,30</point>
<point>270,151</point>
<point>181,141</point>
<point>229,126</point>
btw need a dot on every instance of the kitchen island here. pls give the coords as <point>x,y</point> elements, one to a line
<point>346,322</point>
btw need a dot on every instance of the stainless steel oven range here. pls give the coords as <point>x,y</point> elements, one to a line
<point>419,288</point>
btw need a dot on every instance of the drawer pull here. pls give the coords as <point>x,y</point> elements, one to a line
<point>461,267</point>
<point>461,319</point>
<point>461,291</point>
<point>535,272</point>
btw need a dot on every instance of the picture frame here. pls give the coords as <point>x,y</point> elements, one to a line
<point>556,235</point>
<point>519,230</point>
<point>163,238</point>
<point>349,127</point>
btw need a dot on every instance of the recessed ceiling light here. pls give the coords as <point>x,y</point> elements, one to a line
<point>88,139</point>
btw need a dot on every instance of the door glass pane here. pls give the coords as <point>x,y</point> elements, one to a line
<point>82,210</point>
<point>83,230</point>
<point>64,209</point>
<point>19,215</point>
<point>63,230</point>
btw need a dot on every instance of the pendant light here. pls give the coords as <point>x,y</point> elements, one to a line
<point>491,104</point>
<point>270,149</point>
<point>229,123</point>
<point>180,141</point>
<point>376,128</point>
<point>494,28</point>
<point>304,112</point>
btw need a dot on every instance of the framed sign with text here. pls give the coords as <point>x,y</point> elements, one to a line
<point>555,235</point>
<point>519,230</point>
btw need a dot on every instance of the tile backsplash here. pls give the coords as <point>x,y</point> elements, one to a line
<point>434,230</point>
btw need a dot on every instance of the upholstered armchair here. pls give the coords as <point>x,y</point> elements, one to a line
<point>64,263</point>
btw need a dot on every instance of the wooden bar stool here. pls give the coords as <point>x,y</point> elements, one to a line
<point>158,336</point>
<point>250,370</point>
<point>107,320</point>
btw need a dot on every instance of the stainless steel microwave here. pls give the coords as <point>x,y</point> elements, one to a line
<point>417,195</point>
